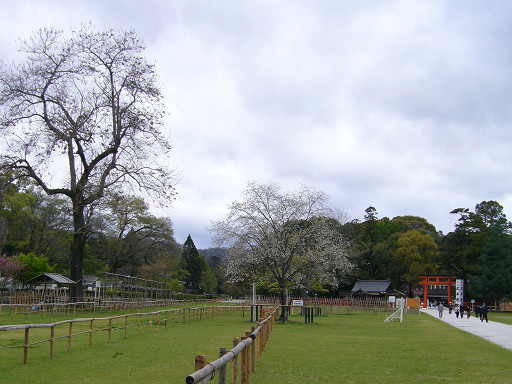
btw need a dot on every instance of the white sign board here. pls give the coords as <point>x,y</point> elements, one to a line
<point>300,303</point>
<point>392,299</point>
<point>459,291</point>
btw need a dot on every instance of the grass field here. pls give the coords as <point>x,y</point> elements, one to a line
<point>501,317</point>
<point>345,348</point>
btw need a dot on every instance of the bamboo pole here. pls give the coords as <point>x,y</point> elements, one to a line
<point>126,327</point>
<point>138,323</point>
<point>109,329</point>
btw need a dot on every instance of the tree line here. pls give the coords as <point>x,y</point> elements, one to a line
<point>478,250</point>
<point>82,121</point>
<point>36,235</point>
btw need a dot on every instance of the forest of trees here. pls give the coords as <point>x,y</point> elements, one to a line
<point>36,234</point>
<point>478,250</point>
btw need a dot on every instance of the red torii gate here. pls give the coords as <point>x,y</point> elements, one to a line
<point>427,280</point>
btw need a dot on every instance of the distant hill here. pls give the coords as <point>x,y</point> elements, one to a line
<point>211,252</point>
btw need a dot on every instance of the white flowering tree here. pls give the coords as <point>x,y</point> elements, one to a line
<point>292,238</point>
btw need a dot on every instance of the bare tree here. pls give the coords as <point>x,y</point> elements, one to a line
<point>288,236</point>
<point>82,115</point>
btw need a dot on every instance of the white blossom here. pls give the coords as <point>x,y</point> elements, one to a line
<point>292,237</point>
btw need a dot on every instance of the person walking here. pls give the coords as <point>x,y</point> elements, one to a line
<point>456,311</point>
<point>440,309</point>
<point>461,310</point>
<point>483,313</point>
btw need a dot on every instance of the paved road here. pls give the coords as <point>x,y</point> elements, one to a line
<point>493,331</point>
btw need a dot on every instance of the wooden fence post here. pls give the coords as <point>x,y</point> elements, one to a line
<point>69,335</point>
<point>126,327</point>
<point>52,338</point>
<point>90,334</point>
<point>109,329</point>
<point>235,363</point>
<point>200,362</point>
<point>258,337</point>
<point>222,371</point>
<point>253,350</point>
<point>243,363</point>
<point>25,346</point>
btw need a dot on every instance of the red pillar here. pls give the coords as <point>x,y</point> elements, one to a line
<point>425,293</point>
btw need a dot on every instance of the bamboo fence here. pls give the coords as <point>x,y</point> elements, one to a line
<point>247,349</point>
<point>120,322</point>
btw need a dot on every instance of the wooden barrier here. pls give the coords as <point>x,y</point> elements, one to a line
<point>175,313</point>
<point>27,307</point>
<point>258,335</point>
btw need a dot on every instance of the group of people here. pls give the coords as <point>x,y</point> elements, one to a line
<point>480,312</point>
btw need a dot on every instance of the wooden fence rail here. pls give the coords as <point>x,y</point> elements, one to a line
<point>256,340</point>
<point>44,309</point>
<point>153,318</point>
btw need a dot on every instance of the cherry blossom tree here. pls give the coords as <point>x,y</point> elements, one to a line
<point>10,267</point>
<point>289,237</point>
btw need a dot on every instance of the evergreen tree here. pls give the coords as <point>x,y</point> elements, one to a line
<point>192,264</point>
<point>479,251</point>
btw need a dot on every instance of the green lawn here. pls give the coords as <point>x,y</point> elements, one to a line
<point>501,317</point>
<point>343,348</point>
<point>361,348</point>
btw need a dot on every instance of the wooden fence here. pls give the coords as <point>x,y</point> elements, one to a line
<point>44,308</point>
<point>333,305</point>
<point>248,347</point>
<point>120,322</point>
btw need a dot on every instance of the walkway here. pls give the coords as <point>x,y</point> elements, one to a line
<point>493,331</point>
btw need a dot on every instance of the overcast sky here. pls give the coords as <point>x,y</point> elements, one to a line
<point>402,105</point>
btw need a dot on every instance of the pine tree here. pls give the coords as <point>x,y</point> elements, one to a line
<point>191,262</point>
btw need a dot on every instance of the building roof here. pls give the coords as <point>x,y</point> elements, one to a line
<point>372,286</point>
<point>89,279</point>
<point>50,278</point>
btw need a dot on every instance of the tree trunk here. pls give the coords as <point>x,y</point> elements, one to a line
<point>304,300</point>
<point>77,253</point>
<point>284,308</point>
